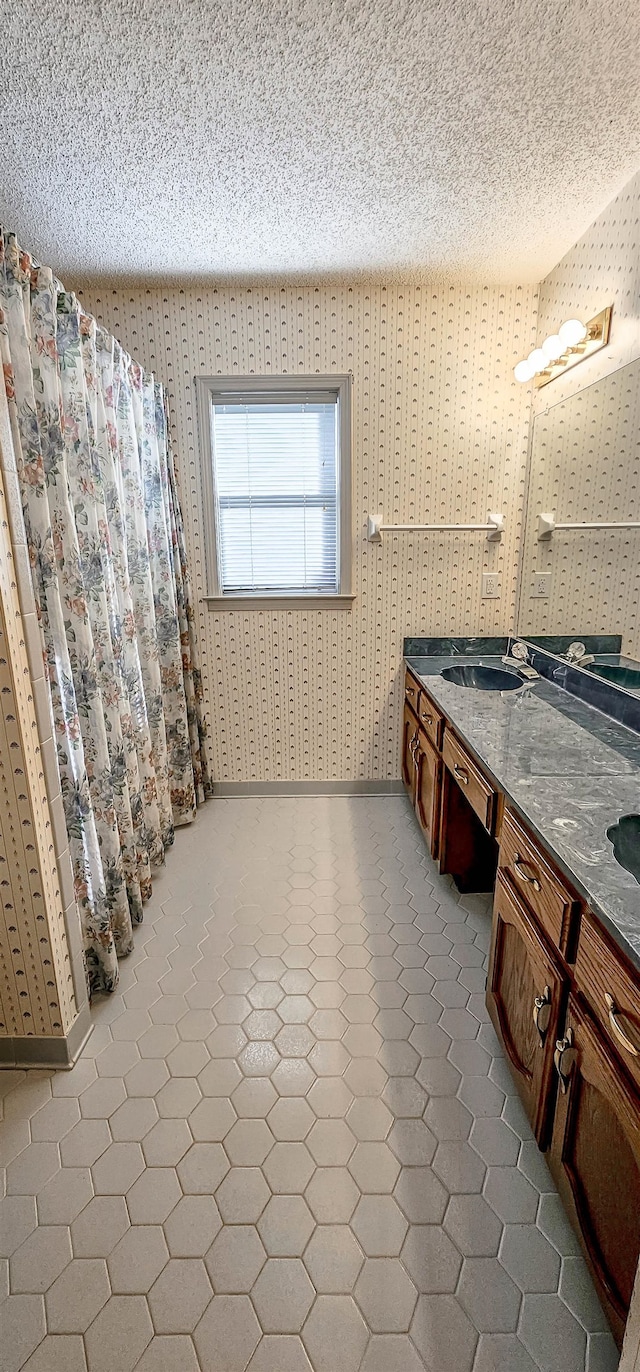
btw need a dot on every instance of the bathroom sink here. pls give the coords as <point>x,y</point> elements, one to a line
<point>620,676</point>
<point>481,678</point>
<point>625,837</point>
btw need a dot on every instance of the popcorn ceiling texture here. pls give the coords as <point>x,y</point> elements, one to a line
<point>304,138</point>
<point>440,430</point>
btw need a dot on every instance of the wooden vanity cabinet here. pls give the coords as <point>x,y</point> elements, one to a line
<point>595,1158</point>
<point>526,995</point>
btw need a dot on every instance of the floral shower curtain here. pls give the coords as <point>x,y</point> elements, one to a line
<point>106,543</point>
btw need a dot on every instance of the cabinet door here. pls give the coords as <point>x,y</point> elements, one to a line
<point>409,741</point>
<point>428,776</point>
<point>526,990</point>
<point>595,1159</point>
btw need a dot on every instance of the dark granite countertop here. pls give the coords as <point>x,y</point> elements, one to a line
<point>570,771</point>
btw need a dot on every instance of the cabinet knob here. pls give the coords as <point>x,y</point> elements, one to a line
<point>461,774</point>
<point>622,1038</point>
<point>410,690</point>
<point>428,718</point>
<point>542,1013</point>
<point>564,1059</point>
<point>520,870</point>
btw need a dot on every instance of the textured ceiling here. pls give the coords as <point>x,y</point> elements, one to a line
<point>304,138</point>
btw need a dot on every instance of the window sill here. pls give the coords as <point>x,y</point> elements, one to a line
<point>279,602</point>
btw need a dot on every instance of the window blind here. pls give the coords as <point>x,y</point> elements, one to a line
<point>275,470</point>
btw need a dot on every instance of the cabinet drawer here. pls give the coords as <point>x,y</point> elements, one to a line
<point>613,991</point>
<point>431,721</point>
<point>546,893</point>
<point>411,691</point>
<point>479,792</point>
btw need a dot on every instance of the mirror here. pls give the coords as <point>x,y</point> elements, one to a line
<point>583,584</point>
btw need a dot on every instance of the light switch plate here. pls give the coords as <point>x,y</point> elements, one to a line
<point>541,589</point>
<point>490,586</point>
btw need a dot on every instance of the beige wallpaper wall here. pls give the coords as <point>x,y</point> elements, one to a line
<point>440,434</point>
<point>595,576</point>
<point>602,268</point>
<point>38,998</point>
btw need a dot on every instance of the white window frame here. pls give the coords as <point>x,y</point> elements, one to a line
<point>213,390</point>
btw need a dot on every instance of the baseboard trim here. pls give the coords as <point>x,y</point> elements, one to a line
<point>61,1052</point>
<point>235,789</point>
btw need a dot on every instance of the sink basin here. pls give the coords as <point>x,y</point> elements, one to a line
<point>625,837</point>
<point>620,676</point>
<point>481,678</point>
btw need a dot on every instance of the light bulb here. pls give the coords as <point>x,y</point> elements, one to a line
<point>537,360</point>
<point>523,371</point>
<point>572,333</point>
<point>553,347</point>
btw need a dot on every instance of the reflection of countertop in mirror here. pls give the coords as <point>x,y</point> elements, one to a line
<point>619,660</point>
<point>569,769</point>
<point>617,701</point>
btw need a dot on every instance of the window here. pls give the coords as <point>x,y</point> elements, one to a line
<point>277,487</point>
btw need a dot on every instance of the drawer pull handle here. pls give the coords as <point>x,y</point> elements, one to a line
<point>622,1038</point>
<point>428,718</point>
<point>411,690</point>
<point>542,1013</point>
<point>564,1059</point>
<point>519,865</point>
<point>461,774</point>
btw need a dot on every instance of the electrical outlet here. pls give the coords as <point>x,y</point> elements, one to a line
<point>541,585</point>
<point>490,586</point>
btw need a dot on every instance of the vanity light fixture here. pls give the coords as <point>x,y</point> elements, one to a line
<point>562,350</point>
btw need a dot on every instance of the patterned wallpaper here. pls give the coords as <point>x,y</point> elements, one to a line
<point>595,581</point>
<point>440,434</point>
<point>37,994</point>
<point>602,268</point>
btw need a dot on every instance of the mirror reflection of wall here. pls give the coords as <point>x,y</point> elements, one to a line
<point>585,467</point>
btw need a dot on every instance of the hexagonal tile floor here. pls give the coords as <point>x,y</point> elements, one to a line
<point>292,1142</point>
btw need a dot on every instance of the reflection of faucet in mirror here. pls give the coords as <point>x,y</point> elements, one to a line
<point>578,656</point>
